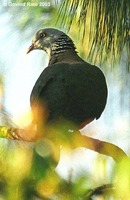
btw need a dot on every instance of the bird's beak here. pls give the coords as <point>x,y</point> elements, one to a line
<point>30,48</point>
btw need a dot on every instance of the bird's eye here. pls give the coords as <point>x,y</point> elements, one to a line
<point>42,35</point>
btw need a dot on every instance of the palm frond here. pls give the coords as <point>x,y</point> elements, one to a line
<point>106,21</point>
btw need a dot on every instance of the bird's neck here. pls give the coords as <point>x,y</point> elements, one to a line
<point>68,56</point>
<point>63,50</point>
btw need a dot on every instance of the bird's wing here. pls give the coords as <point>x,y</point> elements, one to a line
<point>49,93</point>
<point>86,90</point>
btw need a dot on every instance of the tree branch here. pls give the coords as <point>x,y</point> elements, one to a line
<point>74,140</point>
<point>102,147</point>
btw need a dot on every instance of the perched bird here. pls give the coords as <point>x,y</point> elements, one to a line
<point>68,88</point>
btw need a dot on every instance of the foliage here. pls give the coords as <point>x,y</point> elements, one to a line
<point>28,172</point>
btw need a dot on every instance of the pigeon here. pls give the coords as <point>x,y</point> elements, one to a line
<point>69,89</point>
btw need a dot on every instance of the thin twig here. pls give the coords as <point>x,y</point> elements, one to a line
<point>104,189</point>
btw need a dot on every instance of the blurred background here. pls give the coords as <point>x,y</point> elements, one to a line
<point>19,21</point>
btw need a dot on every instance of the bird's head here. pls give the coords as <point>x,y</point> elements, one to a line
<point>49,40</point>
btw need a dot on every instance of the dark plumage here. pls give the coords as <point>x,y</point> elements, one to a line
<point>69,88</point>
